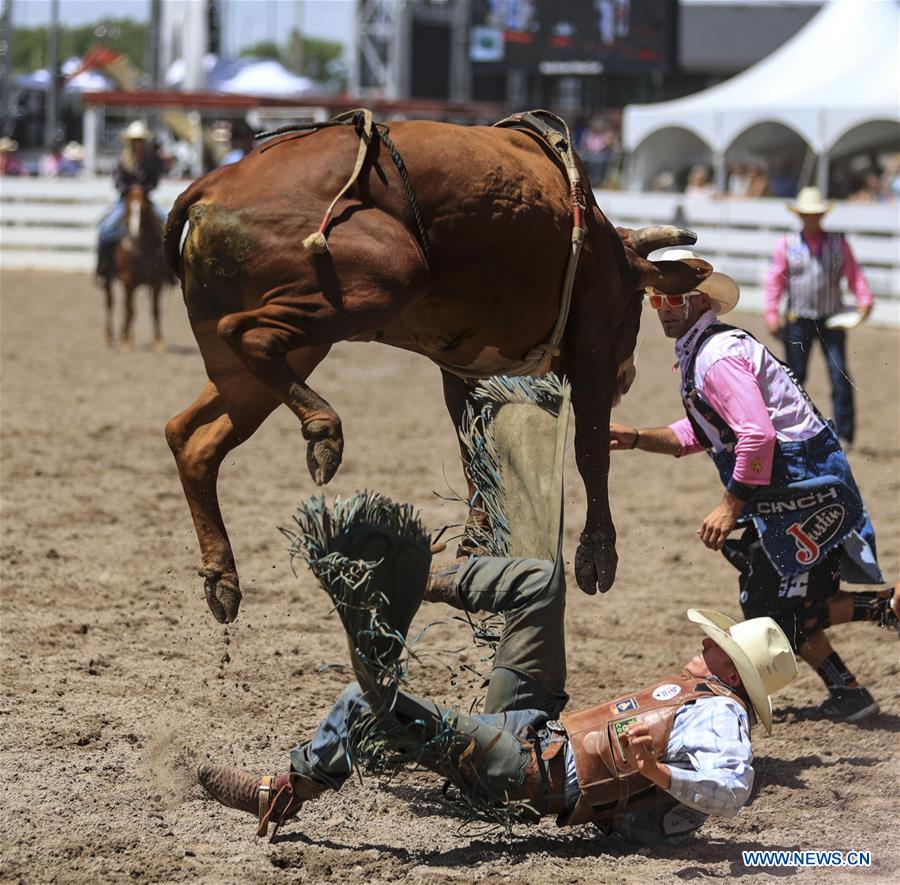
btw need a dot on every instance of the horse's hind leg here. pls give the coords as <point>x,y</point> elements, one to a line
<point>157,327</point>
<point>291,321</point>
<point>226,413</point>
<point>262,343</point>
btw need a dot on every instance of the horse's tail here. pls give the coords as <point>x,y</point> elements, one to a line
<point>178,216</point>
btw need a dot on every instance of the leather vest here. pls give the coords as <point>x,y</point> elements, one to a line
<point>609,785</point>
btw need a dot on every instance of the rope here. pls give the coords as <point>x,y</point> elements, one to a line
<point>362,120</point>
<point>404,177</point>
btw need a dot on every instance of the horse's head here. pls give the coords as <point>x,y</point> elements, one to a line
<point>668,276</point>
<point>140,215</point>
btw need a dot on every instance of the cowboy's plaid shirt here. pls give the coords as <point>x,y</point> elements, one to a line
<point>709,756</point>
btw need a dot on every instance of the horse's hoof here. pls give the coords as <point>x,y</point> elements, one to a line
<point>324,450</point>
<point>127,346</point>
<point>223,599</point>
<point>595,563</point>
<point>158,345</point>
<point>323,457</point>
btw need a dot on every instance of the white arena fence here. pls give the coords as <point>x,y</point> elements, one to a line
<point>48,224</point>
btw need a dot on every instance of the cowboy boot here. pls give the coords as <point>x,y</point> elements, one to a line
<point>273,798</point>
<point>441,585</point>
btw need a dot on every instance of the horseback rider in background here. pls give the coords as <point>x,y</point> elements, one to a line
<point>138,164</point>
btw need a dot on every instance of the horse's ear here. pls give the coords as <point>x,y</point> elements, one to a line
<point>672,277</point>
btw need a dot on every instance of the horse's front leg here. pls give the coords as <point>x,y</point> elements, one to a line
<point>596,559</point>
<point>110,304</point>
<point>128,316</point>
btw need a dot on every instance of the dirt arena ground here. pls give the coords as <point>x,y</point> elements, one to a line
<point>117,682</point>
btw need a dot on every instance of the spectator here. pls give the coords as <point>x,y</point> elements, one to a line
<point>890,178</point>
<point>242,142</point>
<point>699,183</point>
<point>738,180</point>
<point>72,160</point>
<point>664,182</point>
<point>597,149</point>
<point>51,161</point>
<point>9,162</point>
<point>757,181</point>
<point>869,190</point>
<point>783,182</point>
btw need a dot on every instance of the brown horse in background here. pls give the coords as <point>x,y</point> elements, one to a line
<point>138,261</point>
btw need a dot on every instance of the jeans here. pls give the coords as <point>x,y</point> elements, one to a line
<point>112,225</point>
<point>798,339</point>
<point>527,685</point>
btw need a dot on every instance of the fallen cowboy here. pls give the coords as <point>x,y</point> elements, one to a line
<point>651,764</point>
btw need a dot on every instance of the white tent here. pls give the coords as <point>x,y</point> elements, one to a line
<point>268,78</point>
<point>839,74</point>
<point>246,76</point>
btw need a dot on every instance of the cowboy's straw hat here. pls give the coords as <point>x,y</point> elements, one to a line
<point>720,288</point>
<point>73,151</point>
<point>136,130</point>
<point>759,651</point>
<point>810,202</point>
<point>8,145</point>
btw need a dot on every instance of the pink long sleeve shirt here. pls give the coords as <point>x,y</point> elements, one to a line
<point>778,274</point>
<point>750,390</point>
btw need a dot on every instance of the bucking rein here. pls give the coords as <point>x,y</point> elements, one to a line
<point>551,128</point>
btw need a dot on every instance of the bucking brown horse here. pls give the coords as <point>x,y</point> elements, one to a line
<point>452,242</point>
<point>138,261</point>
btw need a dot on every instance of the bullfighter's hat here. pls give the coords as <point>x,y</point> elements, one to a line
<point>720,288</point>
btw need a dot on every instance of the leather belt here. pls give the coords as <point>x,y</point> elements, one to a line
<point>554,758</point>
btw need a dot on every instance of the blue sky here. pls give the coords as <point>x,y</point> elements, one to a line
<point>246,21</point>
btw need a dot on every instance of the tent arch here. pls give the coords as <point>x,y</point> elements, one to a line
<point>670,149</point>
<point>875,134</point>
<point>755,130</point>
<point>783,152</point>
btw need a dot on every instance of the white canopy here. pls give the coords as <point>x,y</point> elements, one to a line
<point>840,71</point>
<point>268,78</point>
<point>246,76</point>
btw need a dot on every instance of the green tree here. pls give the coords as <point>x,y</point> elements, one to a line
<point>264,49</point>
<point>122,34</point>
<point>319,60</point>
<point>323,61</point>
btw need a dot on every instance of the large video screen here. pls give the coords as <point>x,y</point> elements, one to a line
<point>615,35</point>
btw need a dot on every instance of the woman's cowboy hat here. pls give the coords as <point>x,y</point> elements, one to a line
<point>8,145</point>
<point>136,130</point>
<point>73,151</point>
<point>759,651</point>
<point>721,289</point>
<point>810,202</point>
